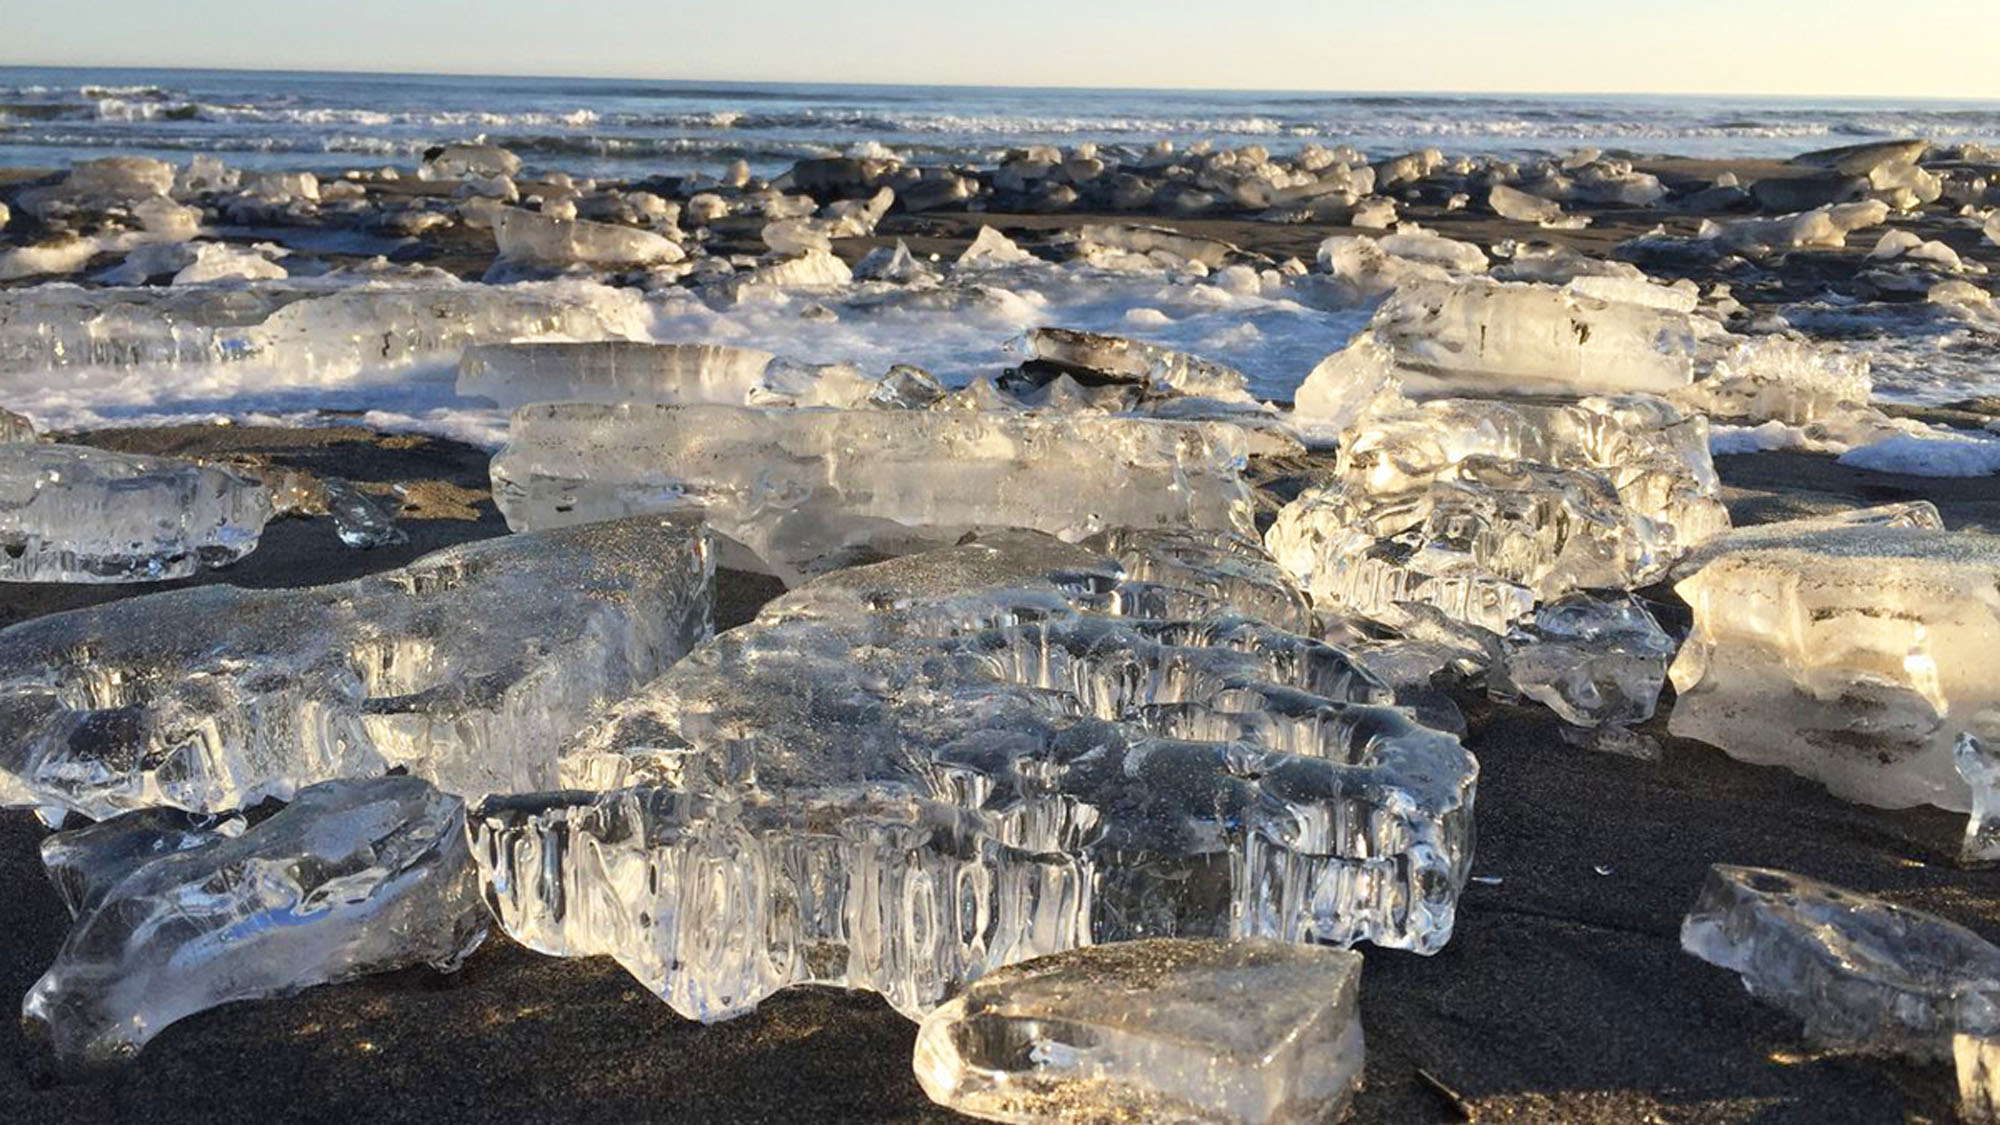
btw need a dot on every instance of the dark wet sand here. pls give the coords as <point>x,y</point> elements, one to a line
<point>1563,997</point>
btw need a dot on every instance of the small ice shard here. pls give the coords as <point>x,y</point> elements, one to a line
<point>454,162</point>
<point>905,775</point>
<point>1342,387</point>
<point>991,249</point>
<point>796,492</point>
<point>1598,662</point>
<point>357,519</point>
<point>353,877</point>
<point>529,238</point>
<point>812,269</point>
<point>894,264</point>
<point>86,862</point>
<point>467,667</point>
<point>1979,765</point>
<point>69,513</point>
<point>1514,338</point>
<point>1250,1032</point>
<point>1864,974</point>
<point>16,427</point>
<point>1513,203</point>
<point>1095,357</point>
<point>1482,509</point>
<point>1855,654</point>
<point>616,371</point>
<point>1119,245</point>
<point>906,387</point>
<point>1413,243</point>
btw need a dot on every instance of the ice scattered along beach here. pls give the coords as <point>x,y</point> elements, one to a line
<point>70,513</point>
<point>468,667</point>
<point>1853,653</point>
<point>906,775</point>
<point>1243,1033</point>
<point>351,878</point>
<point>797,492</point>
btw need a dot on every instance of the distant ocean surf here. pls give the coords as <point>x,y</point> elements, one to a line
<point>622,127</point>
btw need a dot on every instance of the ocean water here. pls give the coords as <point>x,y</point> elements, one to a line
<point>613,127</point>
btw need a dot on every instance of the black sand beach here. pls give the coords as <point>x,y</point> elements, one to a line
<point>1563,996</point>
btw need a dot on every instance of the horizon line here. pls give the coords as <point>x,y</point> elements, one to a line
<point>357,72</point>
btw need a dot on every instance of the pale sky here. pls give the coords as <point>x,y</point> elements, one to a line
<point>1907,48</point>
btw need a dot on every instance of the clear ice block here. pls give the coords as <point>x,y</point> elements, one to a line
<point>353,877</point>
<point>1597,661</point>
<point>796,492</point>
<point>297,330</point>
<point>70,513</point>
<point>469,667</point>
<point>905,775</point>
<point>1864,974</point>
<point>614,371</point>
<point>1520,338</point>
<point>1237,1033</point>
<point>1853,654</point>
<point>1484,509</point>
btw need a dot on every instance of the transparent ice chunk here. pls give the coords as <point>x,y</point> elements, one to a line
<point>297,331</point>
<point>353,877</point>
<point>467,667</point>
<point>1864,974</point>
<point>1597,661</point>
<point>15,427</point>
<point>70,513</point>
<point>795,492</point>
<point>358,520</point>
<point>86,862</point>
<point>1483,509</point>
<point>1853,654</point>
<point>905,775</point>
<point>1237,1033</point>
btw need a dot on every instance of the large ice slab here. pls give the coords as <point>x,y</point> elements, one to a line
<point>468,667</point>
<point>1483,509</point>
<point>1516,338</point>
<point>1853,654</point>
<point>905,775</point>
<point>614,371</point>
<point>295,329</point>
<point>70,513</point>
<point>353,877</point>
<point>802,491</point>
<point>1238,1033</point>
